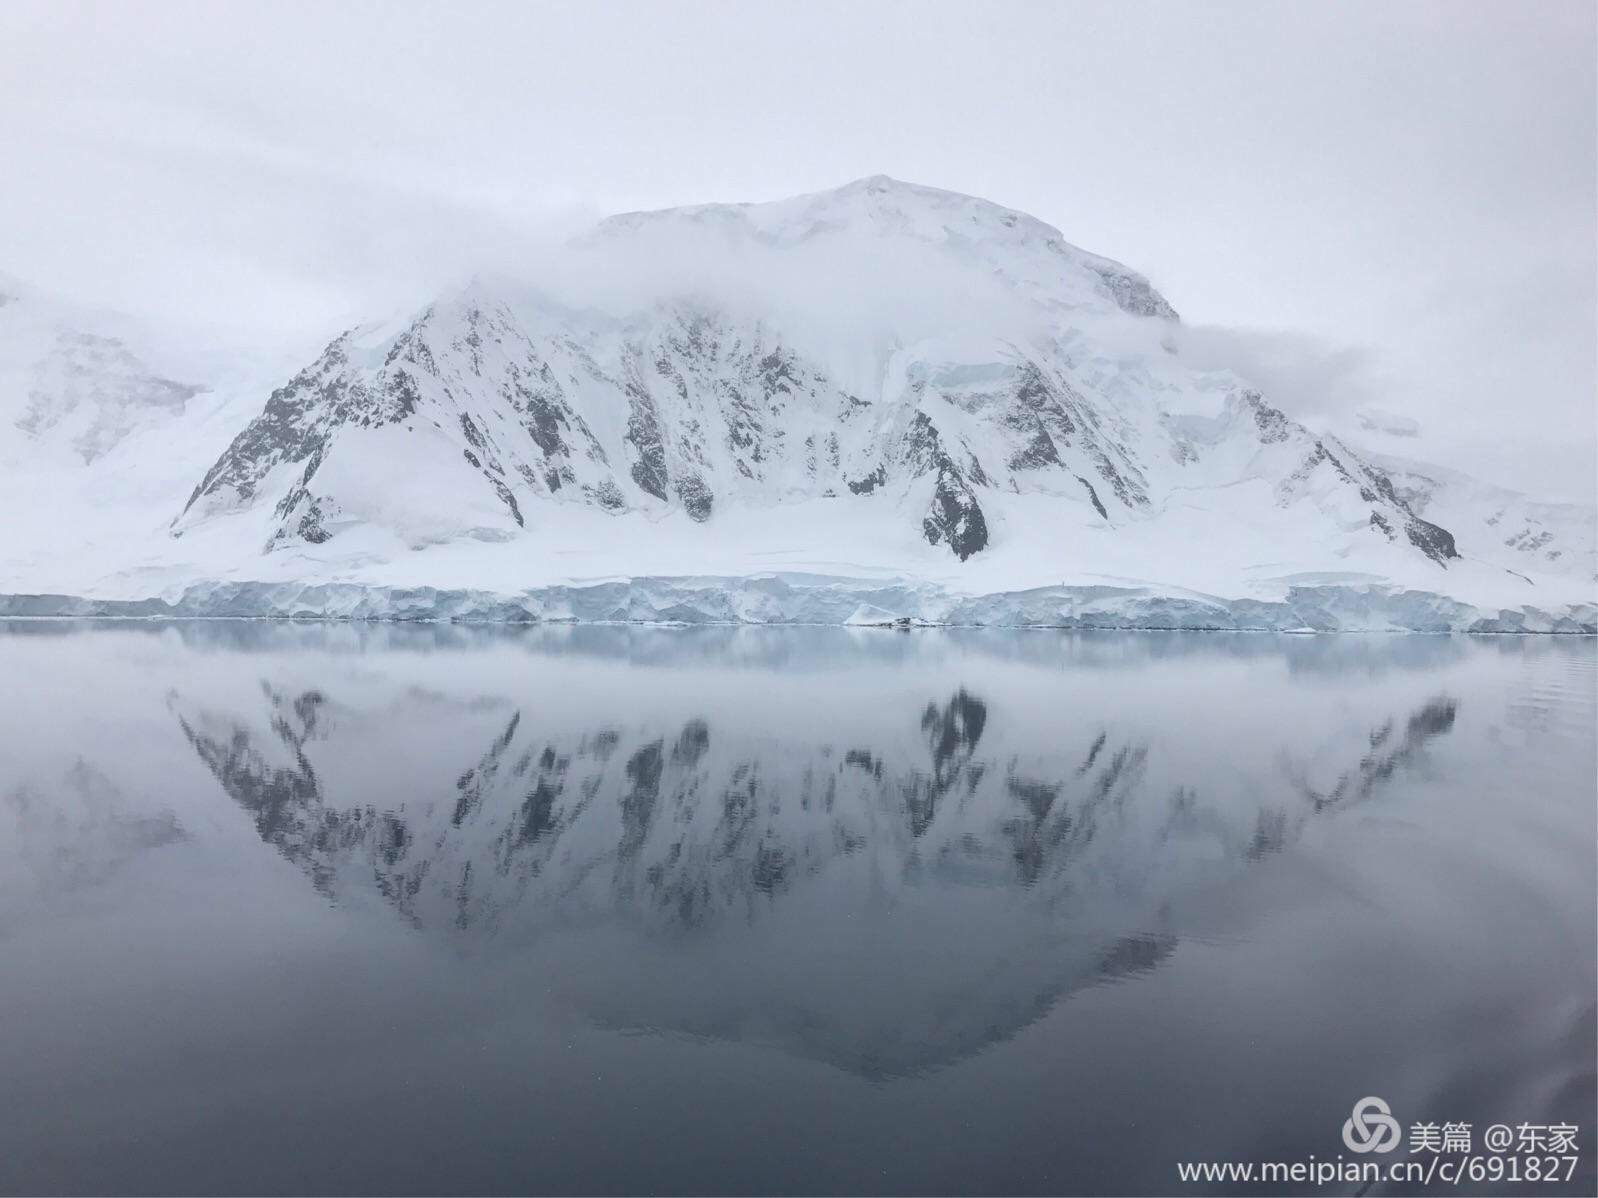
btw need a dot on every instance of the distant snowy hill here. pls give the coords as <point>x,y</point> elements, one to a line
<point>884,381</point>
<point>70,380</point>
<point>1497,524</point>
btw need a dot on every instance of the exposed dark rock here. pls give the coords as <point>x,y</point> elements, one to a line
<point>1375,486</point>
<point>310,527</point>
<point>1126,483</point>
<point>506,498</point>
<point>1036,453</point>
<point>403,396</point>
<point>1273,425</point>
<point>608,495</point>
<point>1093,496</point>
<point>543,417</point>
<point>870,482</point>
<point>696,497</point>
<point>777,372</point>
<point>955,518</point>
<point>1054,419</point>
<point>643,432</point>
<point>284,431</point>
<point>1434,541</point>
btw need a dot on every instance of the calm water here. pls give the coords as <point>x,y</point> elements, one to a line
<point>337,909</point>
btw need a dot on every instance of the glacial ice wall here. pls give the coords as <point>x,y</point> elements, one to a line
<point>818,599</point>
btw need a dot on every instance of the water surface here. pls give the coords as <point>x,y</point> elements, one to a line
<point>401,909</point>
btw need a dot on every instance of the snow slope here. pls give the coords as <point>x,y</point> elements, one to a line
<point>881,385</point>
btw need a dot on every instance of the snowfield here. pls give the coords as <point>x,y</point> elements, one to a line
<point>880,404</point>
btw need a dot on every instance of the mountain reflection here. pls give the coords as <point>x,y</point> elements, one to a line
<point>692,827</point>
<point>1387,753</point>
<point>999,870</point>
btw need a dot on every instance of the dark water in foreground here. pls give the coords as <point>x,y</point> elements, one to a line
<point>331,909</point>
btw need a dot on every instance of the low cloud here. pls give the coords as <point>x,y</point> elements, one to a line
<point>1307,377</point>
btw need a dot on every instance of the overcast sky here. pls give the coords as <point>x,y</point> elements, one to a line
<point>1401,196</point>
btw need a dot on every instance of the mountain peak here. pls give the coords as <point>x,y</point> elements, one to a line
<point>888,185</point>
<point>1025,254</point>
<point>858,200</point>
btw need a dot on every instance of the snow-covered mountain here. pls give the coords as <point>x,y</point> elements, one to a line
<point>687,403</point>
<point>881,381</point>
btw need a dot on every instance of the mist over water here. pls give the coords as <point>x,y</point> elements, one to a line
<point>387,908</point>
